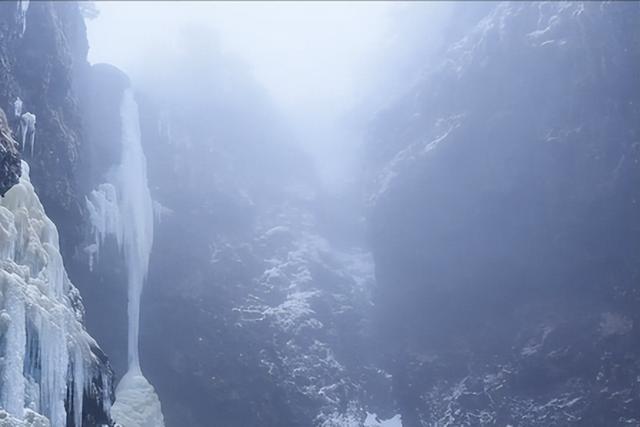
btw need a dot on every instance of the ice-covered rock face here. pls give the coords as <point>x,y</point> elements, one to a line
<point>47,360</point>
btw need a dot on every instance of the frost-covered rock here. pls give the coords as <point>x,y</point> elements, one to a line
<point>9,157</point>
<point>49,363</point>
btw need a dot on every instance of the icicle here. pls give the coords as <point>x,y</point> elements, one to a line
<point>104,215</point>
<point>28,131</point>
<point>17,108</point>
<point>23,7</point>
<point>160,212</point>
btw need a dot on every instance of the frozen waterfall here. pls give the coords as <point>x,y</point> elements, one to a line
<point>124,209</point>
<point>46,355</point>
<point>136,213</point>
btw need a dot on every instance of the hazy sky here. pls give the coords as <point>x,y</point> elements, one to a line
<point>300,51</point>
<point>315,58</point>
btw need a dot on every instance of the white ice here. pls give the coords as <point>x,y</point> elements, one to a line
<point>104,214</point>
<point>17,107</point>
<point>137,404</point>
<point>28,131</point>
<point>23,7</point>
<point>44,348</point>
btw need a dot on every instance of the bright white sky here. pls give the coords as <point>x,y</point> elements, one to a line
<point>300,51</point>
<point>310,56</point>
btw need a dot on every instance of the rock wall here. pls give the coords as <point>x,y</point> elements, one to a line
<point>504,220</point>
<point>43,72</point>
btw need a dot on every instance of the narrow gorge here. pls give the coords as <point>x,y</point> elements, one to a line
<point>326,214</point>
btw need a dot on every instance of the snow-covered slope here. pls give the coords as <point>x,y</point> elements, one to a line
<point>48,362</point>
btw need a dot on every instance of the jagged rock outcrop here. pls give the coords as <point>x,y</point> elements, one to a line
<point>505,213</point>
<point>10,169</point>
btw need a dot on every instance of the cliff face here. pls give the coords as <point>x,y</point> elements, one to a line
<point>43,68</point>
<point>505,218</point>
<point>10,168</point>
<point>43,57</point>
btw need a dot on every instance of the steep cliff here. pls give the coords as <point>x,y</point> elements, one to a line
<point>43,52</point>
<point>51,365</point>
<point>505,218</point>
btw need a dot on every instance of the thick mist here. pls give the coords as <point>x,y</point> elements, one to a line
<point>325,66</point>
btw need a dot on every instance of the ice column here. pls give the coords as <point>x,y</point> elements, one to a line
<point>137,404</point>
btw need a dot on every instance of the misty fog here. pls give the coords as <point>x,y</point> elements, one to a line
<point>319,62</point>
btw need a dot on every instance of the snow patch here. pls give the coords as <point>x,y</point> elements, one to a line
<point>373,420</point>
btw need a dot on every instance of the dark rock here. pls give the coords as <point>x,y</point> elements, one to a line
<point>44,63</point>
<point>506,223</point>
<point>10,166</point>
<point>43,66</point>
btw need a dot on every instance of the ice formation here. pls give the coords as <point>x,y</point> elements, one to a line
<point>137,404</point>
<point>160,212</point>
<point>28,131</point>
<point>124,208</point>
<point>17,107</point>
<point>45,353</point>
<point>23,7</point>
<point>104,215</point>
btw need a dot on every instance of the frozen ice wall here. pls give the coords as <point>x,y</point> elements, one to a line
<point>45,352</point>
